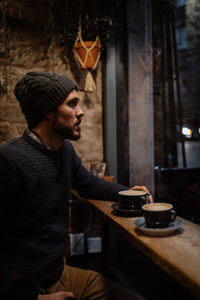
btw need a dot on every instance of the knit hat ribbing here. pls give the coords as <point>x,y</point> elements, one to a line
<point>39,92</point>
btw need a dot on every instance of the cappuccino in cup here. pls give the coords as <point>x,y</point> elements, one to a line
<point>158,215</point>
<point>132,199</point>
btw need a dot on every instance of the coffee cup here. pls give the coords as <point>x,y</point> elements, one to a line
<point>132,199</point>
<point>158,214</point>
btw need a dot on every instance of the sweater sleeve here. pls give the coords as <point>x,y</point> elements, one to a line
<point>91,186</point>
<point>12,286</point>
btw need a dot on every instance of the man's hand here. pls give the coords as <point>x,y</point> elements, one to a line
<point>57,296</point>
<point>143,188</point>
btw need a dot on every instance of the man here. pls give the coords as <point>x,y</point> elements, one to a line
<point>37,171</point>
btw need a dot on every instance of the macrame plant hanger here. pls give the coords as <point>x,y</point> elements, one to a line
<point>90,58</point>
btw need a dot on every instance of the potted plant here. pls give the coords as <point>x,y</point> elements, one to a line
<point>82,27</point>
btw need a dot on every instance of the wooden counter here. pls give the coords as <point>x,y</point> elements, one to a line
<point>178,254</point>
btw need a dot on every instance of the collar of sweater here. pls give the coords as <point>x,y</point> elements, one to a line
<point>40,146</point>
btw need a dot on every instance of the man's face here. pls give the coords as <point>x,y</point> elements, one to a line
<point>67,118</point>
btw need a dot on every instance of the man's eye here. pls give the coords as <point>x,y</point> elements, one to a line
<point>72,103</point>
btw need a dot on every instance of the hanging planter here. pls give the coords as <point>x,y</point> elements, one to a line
<point>87,54</point>
<point>83,26</point>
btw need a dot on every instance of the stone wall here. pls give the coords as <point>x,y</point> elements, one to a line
<point>27,43</point>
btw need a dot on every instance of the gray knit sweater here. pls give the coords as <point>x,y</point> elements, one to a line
<point>34,194</point>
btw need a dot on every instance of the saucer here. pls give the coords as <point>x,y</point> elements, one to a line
<point>173,226</point>
<point>132,212</point>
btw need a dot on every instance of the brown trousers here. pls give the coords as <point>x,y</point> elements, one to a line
<point>90,285</point>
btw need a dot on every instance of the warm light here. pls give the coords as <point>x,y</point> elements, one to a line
<point>187,132</point>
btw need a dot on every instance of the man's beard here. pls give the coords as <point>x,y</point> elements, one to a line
<point>64,131</point>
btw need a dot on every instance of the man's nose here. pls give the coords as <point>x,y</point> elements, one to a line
<point>79,112</point>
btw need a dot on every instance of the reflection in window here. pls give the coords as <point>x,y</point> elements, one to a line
<point>180,2</point>
<point>181,38</point>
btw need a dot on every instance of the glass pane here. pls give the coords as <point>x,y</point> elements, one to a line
<point>176,86</point>
<point>187,20</point>
<point>176,41</point>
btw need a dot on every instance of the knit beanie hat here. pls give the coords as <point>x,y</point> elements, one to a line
<point>39,92</point>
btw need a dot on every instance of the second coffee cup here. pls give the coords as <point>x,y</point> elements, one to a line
<point>132,199</point>
<point>158,215</point>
